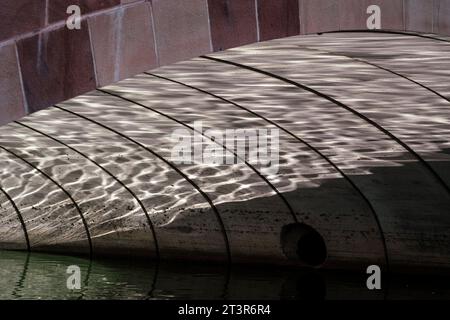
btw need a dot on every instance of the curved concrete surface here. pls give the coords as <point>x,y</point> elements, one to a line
<point>363,177</point>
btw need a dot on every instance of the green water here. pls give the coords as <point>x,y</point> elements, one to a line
<point>44,276</point>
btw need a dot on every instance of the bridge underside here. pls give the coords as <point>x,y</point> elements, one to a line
<point>363,174</point>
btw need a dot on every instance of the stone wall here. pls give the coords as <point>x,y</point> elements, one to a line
<point>42,62</point>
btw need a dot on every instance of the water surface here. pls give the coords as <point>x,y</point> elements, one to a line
<point>43,276</point>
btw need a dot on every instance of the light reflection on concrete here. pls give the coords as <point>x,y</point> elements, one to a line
<point>377,177</point>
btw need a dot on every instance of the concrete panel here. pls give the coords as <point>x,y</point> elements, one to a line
<point>184,221</point>
<point>89,187</point>
<point>254,203</point>
<point>44,207</point>
<point>406,178</point>
<point>311,177</point>
<point>12,235</point>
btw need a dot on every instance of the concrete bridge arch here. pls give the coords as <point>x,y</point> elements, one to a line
<point>363,144</point>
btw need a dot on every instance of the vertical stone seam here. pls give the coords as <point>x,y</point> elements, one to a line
<point>118,48</point>
<point>46,13</point>
<point>299,17</point>
<point>97,84</point>
<point>404,15</point>
<point>438,13</point>
<point>432,16</point>
<point>22,84</point>
<point>339,14</point>
<point>209,27</point>
<point>258,35</point>
<point>155,43</point>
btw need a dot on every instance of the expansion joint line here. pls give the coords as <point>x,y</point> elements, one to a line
<point>215,141</point>
<point>62,189</point>
<point>108,173</point>
<point>19,216</point>
<point>424,163</point>
<point>401,76</point>
<point>379,67</point>
<point>317,151</point>
<point>171,165</point>
<point>403,33</point>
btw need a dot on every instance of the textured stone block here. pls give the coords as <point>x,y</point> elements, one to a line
<point>11,96</point>
<point>352,14</point>
<point>442,17</point>
<point>182,30</point>
<point>56,65</point>
<point>21,16</point>
<point>57,9</point>
<point>419,15</point>
<point>233,23</point>
<point>123,43</point>
<point>319,15</point>
<point>278,18</point>
<point>138,42</point>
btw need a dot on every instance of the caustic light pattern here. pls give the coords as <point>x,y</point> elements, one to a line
<point>364,159</point>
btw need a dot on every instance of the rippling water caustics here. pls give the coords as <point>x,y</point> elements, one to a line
<point>43,276</point>
<point>364,161</point>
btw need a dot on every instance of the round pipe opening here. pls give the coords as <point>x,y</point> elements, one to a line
<point>303,243</point>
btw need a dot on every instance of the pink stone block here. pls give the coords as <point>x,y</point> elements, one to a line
<point>319,16</point>
<point>182,29</point>
<point>21,16</point>
<point>138,43</point>
<point>56,65</point>
<point>233,23</point>
<point>278,18</point>
<point>11,95</point>
<point>105,47</point>
<point>352,14</point>
<point>442,17</point>
<point>419,15</point>
<point>123,43</point>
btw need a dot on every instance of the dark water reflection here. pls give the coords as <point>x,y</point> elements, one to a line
<point>43,276</point>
